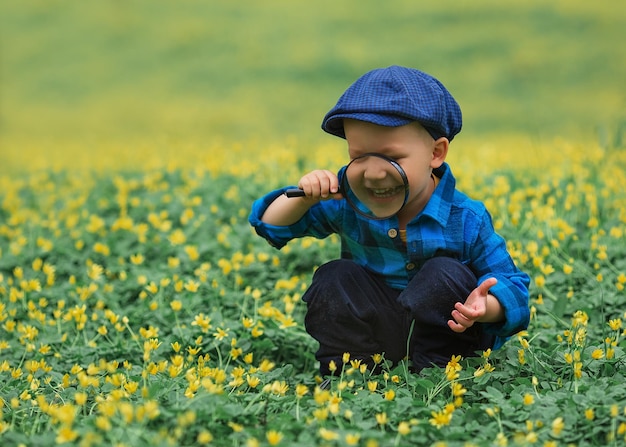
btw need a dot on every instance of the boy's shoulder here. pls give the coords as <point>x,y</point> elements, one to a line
<point>463,202</point>
<point>458,198</point>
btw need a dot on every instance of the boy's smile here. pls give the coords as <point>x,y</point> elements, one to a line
<point>376,182</point>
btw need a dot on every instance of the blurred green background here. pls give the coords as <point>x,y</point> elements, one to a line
<point>202,70</point>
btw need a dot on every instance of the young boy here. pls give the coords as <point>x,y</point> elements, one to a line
<point>433,280</point>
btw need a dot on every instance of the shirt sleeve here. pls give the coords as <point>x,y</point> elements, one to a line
<point>316,222</point>
<point>492,259</point>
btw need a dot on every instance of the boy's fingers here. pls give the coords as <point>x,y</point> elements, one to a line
<point>456,327</point>
<point>487,284</point>
<point>319,184</point>
<point>464,319</point>
<point>464,311</point>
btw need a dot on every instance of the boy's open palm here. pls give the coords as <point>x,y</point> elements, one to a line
<point>474,309</point>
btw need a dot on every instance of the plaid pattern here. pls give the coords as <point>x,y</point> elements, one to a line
<point>451,225</point>
<point>395,96</point>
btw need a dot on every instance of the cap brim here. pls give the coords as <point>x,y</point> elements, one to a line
<point>334,124</point>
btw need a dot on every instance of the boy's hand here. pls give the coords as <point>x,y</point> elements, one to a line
<point>479,306</point>
<point>320,185</point>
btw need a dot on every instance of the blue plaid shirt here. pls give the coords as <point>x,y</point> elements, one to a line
<point>450,225</point>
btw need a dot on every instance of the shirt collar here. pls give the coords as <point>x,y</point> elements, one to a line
<point>440,203</point>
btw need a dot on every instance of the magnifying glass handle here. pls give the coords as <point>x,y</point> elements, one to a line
<point>294,192</point>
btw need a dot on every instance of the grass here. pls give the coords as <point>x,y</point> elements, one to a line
<point>138,308</point>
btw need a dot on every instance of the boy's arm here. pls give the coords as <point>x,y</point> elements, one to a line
<point>285,211</point>
<point>509,290</point>
<point>316,185</point>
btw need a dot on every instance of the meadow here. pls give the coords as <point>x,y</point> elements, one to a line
<point>137,306</point>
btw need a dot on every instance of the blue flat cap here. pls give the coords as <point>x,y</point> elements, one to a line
<point>395,96</point>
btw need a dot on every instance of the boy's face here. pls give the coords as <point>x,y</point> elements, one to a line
<point>411,146</point>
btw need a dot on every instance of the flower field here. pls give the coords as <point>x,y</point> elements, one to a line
<point>137,307</point>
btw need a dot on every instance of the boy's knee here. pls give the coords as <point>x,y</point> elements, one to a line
<point>331,282</point>
<point>447,272</point>
<point>336,270</point>
<point>440,283</point>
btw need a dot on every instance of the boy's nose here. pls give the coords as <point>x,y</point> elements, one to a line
<point>376,169</point>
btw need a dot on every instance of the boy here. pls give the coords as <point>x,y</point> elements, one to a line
<point>433,280</point>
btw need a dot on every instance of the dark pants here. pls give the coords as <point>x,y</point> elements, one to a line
<point>351,310</point>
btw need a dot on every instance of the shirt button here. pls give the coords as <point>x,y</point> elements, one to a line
<point>410,266</point>
<point>392,233</point>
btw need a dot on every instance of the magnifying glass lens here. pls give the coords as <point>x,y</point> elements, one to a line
<point>375,186</point>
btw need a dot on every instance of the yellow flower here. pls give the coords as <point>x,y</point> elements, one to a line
<point>491,412</point>
<point>192,252</point>
<point>274,437</point>
<point>390,395</point>
<point>177,237</point>
<point>332,366</point>
<point>528,399</point>
<point>501,440</point>
<point>80,398</point>
<point>277,387</point>
<point>524,343</point>
<point>540,280</point>
<point>237,428</point>
<point>615,324</point>
<point>103,423</point>
<point>453,367</point>
<point>301,390</point>
<point>257,331</point>
<point>328,435</point>
<point>220,334</point>
<point>440,418</point>
<point>204,437</point>
<point>590,414</point>
<point>266,365</point>
<point>193,351</point>
<point>458,390</point>
<point>404,428</point>
<point>381,418</point>
<point>192,286</point>
<point>597,354</point>
<point>66,434</point>
<point>102,249</point>
<point>152,288</point>
<point>176,305</point>
<point>580,318</point>
<point>202,321</point>
<point>137,259</point>
<point>614,411</point>
<point>353,439</point>
<point>355,363</point>
<point>95,271</point>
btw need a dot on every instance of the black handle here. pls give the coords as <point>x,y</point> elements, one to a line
<point>294,192</point>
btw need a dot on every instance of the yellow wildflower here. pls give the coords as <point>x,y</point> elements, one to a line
<point>274,437</point>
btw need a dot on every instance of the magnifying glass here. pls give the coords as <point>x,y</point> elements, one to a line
<point>374,185</point>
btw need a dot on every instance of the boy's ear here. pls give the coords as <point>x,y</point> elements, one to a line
<point>440,152</point>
